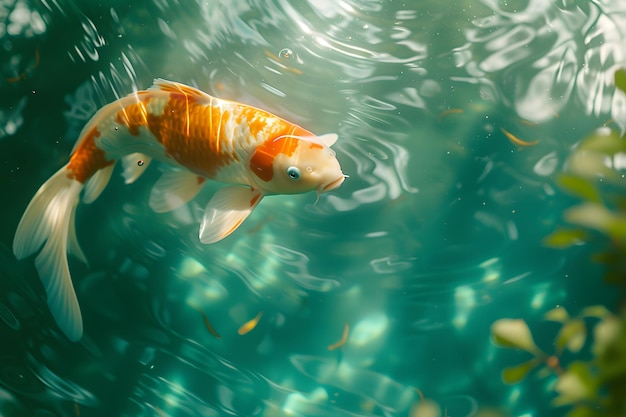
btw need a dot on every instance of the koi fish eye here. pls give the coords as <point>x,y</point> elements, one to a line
<point>293,173</point>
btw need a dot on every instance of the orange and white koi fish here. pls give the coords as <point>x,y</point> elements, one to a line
<point>256,153</point>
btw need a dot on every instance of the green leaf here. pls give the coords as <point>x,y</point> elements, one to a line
<point>605,334</point>
<point>605,257</point>
<point>598,217</point>
<point>564,238</point>
<point>579,187</point>
<point>572,336</point>
<point>583,371</point>
<point>598,311</point>
<point>582,411</point>
<point>574,385</point>
<point>602,141</point>
<point>557,314</point>
<point>515,374</point>
<point>613,277</point>
<point>620,79</point>
<point>544,372</point>
<point>513,333</point>
<point>618,201</point>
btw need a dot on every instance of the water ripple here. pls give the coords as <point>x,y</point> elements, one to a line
<point>573,51</point>
<point>379,388</point>
<point>423,246</point>
<point>63,387</point>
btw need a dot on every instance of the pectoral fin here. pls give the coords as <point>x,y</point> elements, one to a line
<point>134,165</point>
<point>174,189</point>
<point>228,208</point>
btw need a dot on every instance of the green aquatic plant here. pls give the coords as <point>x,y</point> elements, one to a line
<point>593,176</point>
<point>589,357</point>
<point>592,387</point>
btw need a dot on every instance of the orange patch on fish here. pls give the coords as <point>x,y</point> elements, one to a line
<point>88,158</point>
<point>262,161</point>
<point>254,200</point>
<point>181,119</point>
<point>255,119</point>
<point>343,340</point>
<point>134,116</point>
<point>248,326</point>
<point>234,227</point>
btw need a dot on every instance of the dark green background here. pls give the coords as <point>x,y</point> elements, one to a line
<point>436,234</point>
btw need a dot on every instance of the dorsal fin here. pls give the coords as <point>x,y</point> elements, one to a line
<point>328,139</point>
<point>174,87</point>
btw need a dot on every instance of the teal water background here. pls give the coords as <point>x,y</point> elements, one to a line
<point>436,234</point>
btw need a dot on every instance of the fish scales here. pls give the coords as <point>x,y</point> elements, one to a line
<point>190,132</point>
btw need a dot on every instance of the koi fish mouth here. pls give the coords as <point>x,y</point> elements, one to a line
<point>331,185</point>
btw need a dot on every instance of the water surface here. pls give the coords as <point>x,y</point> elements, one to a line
<point>436,234</point>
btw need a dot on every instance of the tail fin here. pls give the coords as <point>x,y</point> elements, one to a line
<point>49,218</point>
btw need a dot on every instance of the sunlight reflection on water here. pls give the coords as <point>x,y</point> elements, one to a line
<point>435,234</point>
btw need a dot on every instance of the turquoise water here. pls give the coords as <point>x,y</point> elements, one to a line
<point>436,234</point>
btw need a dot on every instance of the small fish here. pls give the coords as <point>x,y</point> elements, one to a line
<point>517,141</point>
<point>448,112</point>
<point>252,151</point>
<point>343,340</point>
<point>207,322</point>
<point>22,76</point>
<point>248,326</point>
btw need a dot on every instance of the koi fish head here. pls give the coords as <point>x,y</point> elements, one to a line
<point>294,164</point>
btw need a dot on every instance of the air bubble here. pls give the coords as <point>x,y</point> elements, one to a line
<point>285,53</point>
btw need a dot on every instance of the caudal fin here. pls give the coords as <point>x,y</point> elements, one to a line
<point>49,221</point>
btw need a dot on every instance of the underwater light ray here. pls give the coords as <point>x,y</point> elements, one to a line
<point>386,392</point>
